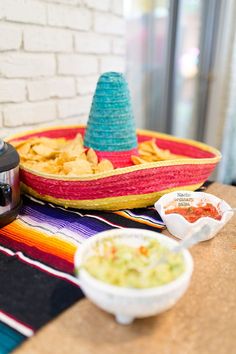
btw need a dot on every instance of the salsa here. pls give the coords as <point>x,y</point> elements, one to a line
<point>117,263</point>
<point>193,213</point>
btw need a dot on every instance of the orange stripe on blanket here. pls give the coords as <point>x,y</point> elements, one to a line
<point>54,245</point>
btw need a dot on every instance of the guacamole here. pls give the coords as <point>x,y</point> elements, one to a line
<point>116,262</point>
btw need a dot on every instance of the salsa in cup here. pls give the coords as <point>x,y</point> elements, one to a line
<point>193,213</point>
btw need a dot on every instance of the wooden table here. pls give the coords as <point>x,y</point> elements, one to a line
<point>202,322</point>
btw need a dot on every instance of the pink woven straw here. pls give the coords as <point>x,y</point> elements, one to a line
<point>137,182</point>
<point>118,159</point>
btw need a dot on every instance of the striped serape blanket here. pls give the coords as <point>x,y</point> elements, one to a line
<point>36,262</point>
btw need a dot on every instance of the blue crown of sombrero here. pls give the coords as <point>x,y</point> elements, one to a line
<point>111,123</point>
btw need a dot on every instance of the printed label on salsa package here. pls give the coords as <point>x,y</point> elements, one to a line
<point>184,199</point>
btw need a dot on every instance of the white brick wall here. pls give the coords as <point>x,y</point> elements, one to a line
<point>12,90</point>
<point>27,65</point>
<point>90,42</point>
<point>70,17</point>
<point>73,64</point>
<point>26,11</point>
<point>47,40</point>
<point>86,84</point>
<point>51,55</point>
<point>10,37</point>
<point>109,24</point>
<point>29,113</point>
<point>49,88</point>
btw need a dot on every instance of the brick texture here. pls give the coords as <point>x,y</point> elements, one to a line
<point>109,24</point>
<point>75,106</point>
<point>86,84</point>
<point>89,42</point>
<point>10,37</point>
<point>103,5</point>
<point>26,11</point>
<point>12,90</point>
<point>112,63</point>
<point>29,113</point>
<point>77,64</point>
<point>24,65</point>
<point>69,17</point>
<point>53,87</point>
<point>47,40</point>
<point>1,122</point>
<point>51,55</point>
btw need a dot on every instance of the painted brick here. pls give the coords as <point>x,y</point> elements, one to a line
<point>108,23</point>
<point>12,90</point>
<point>10,37</point>
<point>1,121</point>
<point>118,46</point>
<point>29,113</point>
<point>70,17</point>
<point>26,11</point>
<point>103,5</point>
<point>53,87</point>
<point>74,120</point>
<point>17,65</point>
<point>112,63</point>
<point>47,39</point>
<point>86,84</point>
<point>51,51</point>
<point>117,7</point>
<point>66,2</point>
<point>2,10</point>
<point>92,43</point>
<point>76,106</point>
<point>77,64</point>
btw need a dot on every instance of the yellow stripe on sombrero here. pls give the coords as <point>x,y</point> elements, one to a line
<point>124,170</point>
<point>113,203</point>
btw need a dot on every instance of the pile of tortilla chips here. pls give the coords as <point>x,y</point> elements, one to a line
<point>60,156</point>
<point>71,158</point>
<point>150,152</point>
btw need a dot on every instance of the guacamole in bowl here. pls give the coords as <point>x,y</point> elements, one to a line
<point>118,271</point>
<point>116,262</point>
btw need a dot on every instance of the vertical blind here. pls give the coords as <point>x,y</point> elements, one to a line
<point>170,50</point>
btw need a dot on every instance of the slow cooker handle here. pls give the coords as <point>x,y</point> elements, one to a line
<point>5,194</point>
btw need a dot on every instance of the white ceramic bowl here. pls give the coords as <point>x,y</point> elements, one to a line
<point>125,303</point>
<point>179,226</point>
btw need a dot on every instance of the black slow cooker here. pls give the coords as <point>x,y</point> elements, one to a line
<point>9,183</point>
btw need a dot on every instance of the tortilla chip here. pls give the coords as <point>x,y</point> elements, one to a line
<point>92,157</point>
<point>137,160</point>
<point>103,166</point>
<point>77,167</point>
<point>43,150</point>
<point>24,149</point>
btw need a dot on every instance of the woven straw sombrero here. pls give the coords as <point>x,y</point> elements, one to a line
<point>128,187</point>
